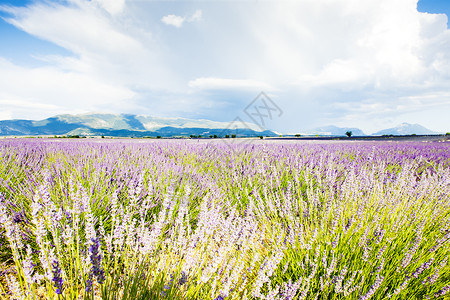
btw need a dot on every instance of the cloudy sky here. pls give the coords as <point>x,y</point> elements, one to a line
<point>370,64</point>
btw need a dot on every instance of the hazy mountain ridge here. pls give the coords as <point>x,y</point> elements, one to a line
<point>96,124</point>
<point>128,125</point>
<point>401,129</point>
<point>405,129</point>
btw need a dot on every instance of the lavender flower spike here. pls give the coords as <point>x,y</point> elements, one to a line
<point>96,259</point>
<point>57,279</point>
<point>373,288</point>
<point>442,292</point>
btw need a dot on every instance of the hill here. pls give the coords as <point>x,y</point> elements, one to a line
<point>127,125</point>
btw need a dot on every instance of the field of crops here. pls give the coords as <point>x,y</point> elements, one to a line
<point>186,219</point>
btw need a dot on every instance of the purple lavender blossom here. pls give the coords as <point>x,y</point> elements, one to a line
<point>442,292</point>
<point>57,279</point>
<point>95,257</point>
<point>183,278</point>
<point>373,288</point>
<point>422,267</point>
<point>19,217</point>
<point>89,283</point>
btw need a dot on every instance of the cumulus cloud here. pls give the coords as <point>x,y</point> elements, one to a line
<point>52,90</point>
<point>93,34</point>
<point>178,21</point>
<point>111,57</point>
<point>173,20</point>
<point>340,54</point>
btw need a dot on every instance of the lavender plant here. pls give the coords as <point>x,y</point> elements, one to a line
<point>123,219</point>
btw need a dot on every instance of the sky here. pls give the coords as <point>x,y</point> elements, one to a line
<point>370,64</point>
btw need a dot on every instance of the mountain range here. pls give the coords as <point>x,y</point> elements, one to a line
<point>127,125</point>
<point>401,129</point>
<point>406,129</point>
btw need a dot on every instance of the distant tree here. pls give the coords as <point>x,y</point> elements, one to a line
<point>227,136</point>
<point>348,133</point>
<point>233,136</point>
<point>261,137</point>
<point>215,136</point>
<point>158,137</point>
<point>448,133</point>
<point>298,135</point>
<point>103,136</point>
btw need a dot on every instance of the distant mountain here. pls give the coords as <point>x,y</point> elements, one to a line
<point>127,125</point>
<point>405,129</point>
<point>332,130</point>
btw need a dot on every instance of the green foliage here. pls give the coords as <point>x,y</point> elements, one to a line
<point>348,133</point>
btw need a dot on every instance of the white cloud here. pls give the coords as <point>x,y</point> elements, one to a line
<point>196,16</point>
<point>211,83</point>
<point>173,20</point>
<point>49,90</point>
<point>342,41</point>
<point>105,46</point>
<point>178,21</point>
<point>112,6</point>
<point>91,27</point>
<point>6,115</point>
<point>19,103</point>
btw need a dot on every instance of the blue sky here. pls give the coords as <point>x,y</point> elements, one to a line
<point>370,64</point>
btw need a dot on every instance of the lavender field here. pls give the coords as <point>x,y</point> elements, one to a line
<point>167,219</point>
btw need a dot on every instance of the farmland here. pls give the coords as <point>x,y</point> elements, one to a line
<point>168,219</point>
